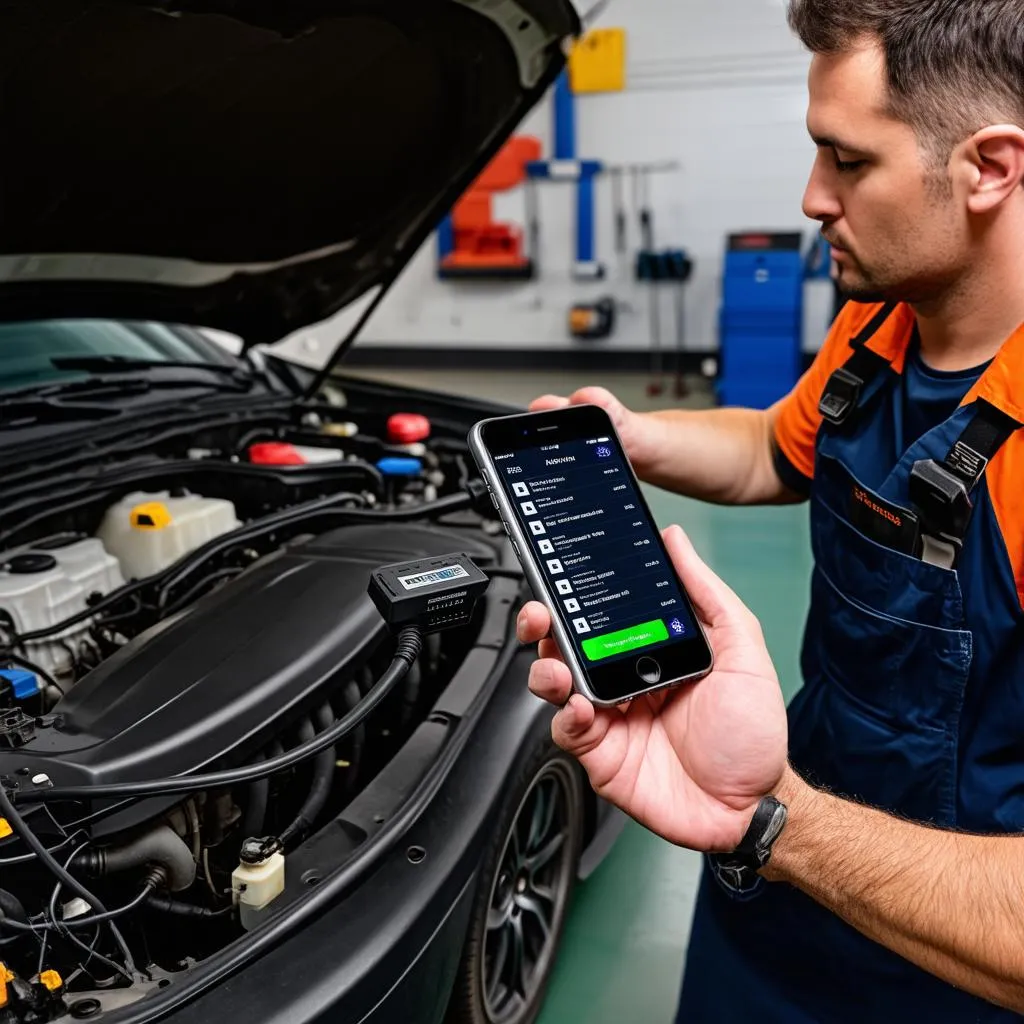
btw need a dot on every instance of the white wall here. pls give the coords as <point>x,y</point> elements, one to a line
<point>719,87</point>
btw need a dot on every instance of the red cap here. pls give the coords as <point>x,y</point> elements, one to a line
<point>275,453</point>
<point>408,428</point>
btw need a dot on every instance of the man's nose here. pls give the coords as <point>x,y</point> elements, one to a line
<point>820,200</point>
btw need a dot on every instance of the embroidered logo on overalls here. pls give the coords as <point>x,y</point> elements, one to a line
<point>883,522</point>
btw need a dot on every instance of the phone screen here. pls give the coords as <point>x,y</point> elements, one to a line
<point>600,554</point>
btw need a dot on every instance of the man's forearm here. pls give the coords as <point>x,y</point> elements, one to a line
<point>717,455</point>
<point>951,903</point>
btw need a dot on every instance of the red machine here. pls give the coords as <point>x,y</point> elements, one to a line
<point>479,247</point>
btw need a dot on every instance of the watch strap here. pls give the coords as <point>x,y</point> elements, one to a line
<point>765,827</point>
<point>738,872</point>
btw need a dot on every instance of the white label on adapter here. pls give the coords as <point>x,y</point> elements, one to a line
<point>425,579</point>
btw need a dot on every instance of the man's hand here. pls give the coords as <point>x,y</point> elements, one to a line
<point>642,437</point>
<point>690,764</point>
<point>724,456</point>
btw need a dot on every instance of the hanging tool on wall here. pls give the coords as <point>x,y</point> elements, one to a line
<point>658,268</point>
<point>619,205</point>
<point>680,270</point>
<point>533,223</point>
<point>593,321</point>
<point>647,271</point>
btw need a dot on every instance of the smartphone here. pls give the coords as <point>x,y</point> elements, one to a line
<point>585,537</point>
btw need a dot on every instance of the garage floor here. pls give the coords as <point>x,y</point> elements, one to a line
<point>626,937</point>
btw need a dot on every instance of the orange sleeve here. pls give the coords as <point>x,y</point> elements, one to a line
<point>1004,474</point>
<point>796,417</point>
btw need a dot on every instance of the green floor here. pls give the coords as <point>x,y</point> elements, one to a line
<point>625,941</point>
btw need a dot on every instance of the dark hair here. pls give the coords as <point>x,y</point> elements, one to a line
<point>954,66</point>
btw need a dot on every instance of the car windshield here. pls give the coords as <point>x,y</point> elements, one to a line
<point>27,350</point>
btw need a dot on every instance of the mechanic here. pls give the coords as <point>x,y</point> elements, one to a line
<point>905,437</point>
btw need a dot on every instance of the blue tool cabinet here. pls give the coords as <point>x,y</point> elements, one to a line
<point>761,319</point>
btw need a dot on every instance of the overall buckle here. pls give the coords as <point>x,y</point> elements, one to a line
<point>842,393</point>
<point>944,502</point>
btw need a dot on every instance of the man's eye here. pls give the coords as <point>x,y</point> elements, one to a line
<point>846,166</point>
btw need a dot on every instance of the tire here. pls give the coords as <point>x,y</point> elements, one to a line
<point>505,902</point>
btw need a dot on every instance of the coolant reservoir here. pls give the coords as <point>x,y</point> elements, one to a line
<point>43,586</point>
<point>147,532</point>
<point>257,881</point>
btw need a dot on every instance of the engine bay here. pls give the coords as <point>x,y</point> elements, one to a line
<point>199,605</point>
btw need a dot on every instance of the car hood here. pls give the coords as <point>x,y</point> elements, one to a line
<point>248,165</point>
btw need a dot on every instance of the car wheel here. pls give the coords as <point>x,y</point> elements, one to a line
<point>523,897</point>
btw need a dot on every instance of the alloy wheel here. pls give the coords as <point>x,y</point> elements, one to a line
<point>528,896</point>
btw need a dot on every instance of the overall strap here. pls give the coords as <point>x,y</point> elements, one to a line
<point>941,492</point>
<point>845,386</point>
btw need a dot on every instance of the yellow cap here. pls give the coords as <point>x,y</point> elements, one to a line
<point>151,516</point>
<point>5,828</point>
<point>51,979</point>
<point>5,976</point>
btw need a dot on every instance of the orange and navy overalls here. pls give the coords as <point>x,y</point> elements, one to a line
<point>913,659</point>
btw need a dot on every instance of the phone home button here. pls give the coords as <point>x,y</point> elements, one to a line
<point>649,671</point>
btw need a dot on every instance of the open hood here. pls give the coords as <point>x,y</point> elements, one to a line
<point>247,165</point>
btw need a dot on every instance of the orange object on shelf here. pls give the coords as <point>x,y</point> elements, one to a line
<point>483,248</point>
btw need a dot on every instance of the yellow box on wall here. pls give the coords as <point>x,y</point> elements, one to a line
<point>597,62</point>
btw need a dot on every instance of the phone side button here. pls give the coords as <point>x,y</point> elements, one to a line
<point>649,671</point>
<point>515,548</point>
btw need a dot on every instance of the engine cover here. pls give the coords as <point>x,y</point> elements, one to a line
<point>211,686</point>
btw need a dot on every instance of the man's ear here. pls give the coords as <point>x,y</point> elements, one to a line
<point>996,159</point>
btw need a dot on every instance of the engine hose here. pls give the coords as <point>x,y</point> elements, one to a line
<point>352,696</point>
<point>410,643</point>
<point>11,908</point>
<point>256,807</point>
<point>32,841</point>
<point>168,906</point>
<point>161,846</point>
<point>323,775</point>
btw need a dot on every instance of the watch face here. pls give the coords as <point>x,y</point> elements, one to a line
<point>738,878</point>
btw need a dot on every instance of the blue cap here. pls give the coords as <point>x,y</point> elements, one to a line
<point>23,684</point>
<point>400,467</point>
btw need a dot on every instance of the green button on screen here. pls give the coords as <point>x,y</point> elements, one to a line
<point>625,640</point>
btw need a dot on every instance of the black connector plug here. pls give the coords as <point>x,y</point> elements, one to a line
<point>431,594</point>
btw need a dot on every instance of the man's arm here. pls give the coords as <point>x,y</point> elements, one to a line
<point>951,903</point>
<point>723,456</point>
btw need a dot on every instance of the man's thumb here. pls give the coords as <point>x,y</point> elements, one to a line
<point>715,601</point>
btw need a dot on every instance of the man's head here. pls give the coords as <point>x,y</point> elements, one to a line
<point>917,107</point>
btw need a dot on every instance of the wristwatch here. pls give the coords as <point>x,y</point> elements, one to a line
<point>738,872</point>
